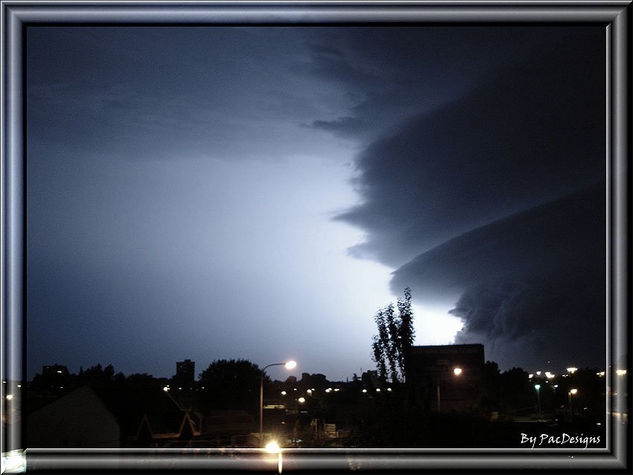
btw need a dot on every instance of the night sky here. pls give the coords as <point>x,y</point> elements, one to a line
<point>259,193</point>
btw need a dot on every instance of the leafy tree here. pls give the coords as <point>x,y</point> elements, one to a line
<point>232,384</point>
<point>392,344</point>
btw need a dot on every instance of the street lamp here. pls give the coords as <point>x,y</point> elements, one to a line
<point>572,392</point>
<point>457,371</point>
<point>538,398</point>
<point>288,365</point>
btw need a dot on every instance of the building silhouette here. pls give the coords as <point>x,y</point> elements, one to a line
<point>446,378</point>
<point>185,372</point>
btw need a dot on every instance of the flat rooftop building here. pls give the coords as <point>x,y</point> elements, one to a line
<point>446,378</point>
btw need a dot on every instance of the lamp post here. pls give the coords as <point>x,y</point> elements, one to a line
<point>288,365</point>
<point>457,371</point>
<point>572,392</point>
<point>537,387</point>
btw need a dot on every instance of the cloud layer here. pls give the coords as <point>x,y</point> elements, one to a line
<point>531,286</point>
<point>494,202</point>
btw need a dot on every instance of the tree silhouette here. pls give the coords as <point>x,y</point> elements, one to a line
<point>232,384</point>
<point>392,344</point>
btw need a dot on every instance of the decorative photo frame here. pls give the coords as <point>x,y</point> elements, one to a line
<point>612,15</point>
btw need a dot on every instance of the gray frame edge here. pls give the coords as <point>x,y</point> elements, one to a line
<point>615,14</point>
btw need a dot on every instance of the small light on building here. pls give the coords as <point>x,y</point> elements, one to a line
<point>283,393</point>
<point>377,390</point>
<point>364,390</point>
<point>573,391</point>
<point>336,390</point>
<point>309,391</point>
<point>389,389</point>
<point>530,375</point>
<point>301,400</point>
<point>572,369</point>
<point>538,373</point>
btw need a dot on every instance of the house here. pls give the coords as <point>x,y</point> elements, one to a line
<point>113,417</point>
<point>78,419</point>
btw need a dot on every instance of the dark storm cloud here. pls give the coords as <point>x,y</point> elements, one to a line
<point>531,286</point>
<point>391,74</point>
<point>474,200</point>
<point>527,135</point>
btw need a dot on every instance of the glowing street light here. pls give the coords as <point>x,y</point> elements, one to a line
<point>291,364</point>
<point>572,392</point>
<point>537,387</point>
<point>457,372</point>
<point>272,447</point>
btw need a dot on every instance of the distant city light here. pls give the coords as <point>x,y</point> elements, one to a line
<point>538,373</point>
<point>377,390</point>
<point>59,371</point>
<point>283,393</point>
<point>166,388</point>
<point>530,376</point>
<point>309,391</point>
<point>556,385</point>
<point>364,390</point>
<point>389,389</point>
<point>600,374</point>
<point>549,375</point>
<point>572,369</point>
<point>573,391</point>
<point>328,390</point>
<point>457,371</point>
<point>336,390</point>
<point>301,400</point>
